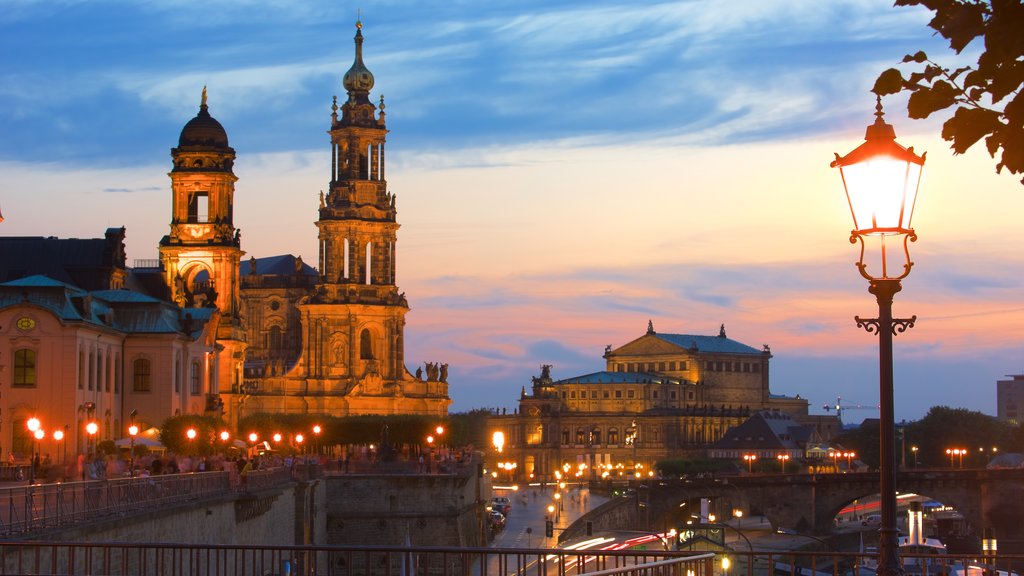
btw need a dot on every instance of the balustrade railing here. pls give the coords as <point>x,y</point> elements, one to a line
<point>32,508</point>
<point>211,560</point>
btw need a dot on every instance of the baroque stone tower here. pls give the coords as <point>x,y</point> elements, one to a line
<point>331,340</point>
<point>200,257</point>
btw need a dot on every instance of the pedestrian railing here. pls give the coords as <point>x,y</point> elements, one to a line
<point>210,560</point>
<point>33,508</point>
<point>792,563</point>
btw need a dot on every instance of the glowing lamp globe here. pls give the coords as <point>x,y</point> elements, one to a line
<point>881,180</point>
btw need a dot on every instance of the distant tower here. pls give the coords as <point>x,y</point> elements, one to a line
<point>200,257</point>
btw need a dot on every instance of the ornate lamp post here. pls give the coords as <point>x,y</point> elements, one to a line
<point>316,439</point>
<point>881,180</point>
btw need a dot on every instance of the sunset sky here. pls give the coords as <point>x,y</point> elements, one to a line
<point>565,172</point>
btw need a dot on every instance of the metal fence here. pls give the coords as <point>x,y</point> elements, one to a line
<point>169,559</point>
<point>28,509</point>
<point>788,563</point>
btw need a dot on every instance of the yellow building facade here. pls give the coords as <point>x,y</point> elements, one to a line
<point>660,396</point>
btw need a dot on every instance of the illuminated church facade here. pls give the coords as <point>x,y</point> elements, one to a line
<point>85,338</point>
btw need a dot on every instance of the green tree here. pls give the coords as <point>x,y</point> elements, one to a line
<point>986,96</point>
<point>941,428</point>
<point>174,434</point>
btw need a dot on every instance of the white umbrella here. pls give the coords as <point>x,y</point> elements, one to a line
<point>139,441</point>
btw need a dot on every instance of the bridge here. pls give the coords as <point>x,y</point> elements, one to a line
<point>986,498</point>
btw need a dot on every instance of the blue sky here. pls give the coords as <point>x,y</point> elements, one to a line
<point>564,171</point>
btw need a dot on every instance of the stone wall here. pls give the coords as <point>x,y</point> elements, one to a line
<point>421,510</point>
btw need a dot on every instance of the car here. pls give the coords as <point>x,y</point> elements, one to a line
<point>872,520</point>
<point>501,504</point>
<point>496,520</point>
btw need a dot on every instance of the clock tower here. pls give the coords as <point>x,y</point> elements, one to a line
<point>200,257</point>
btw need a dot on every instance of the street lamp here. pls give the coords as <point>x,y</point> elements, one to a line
<point>914,449</point>
<point>91,429</point>
<point>849,456</point>
<point>783,458</point>
<point>58,437</point>
<point>750,461</point>
<point>34,426</point>
<point>191,435</point>
<point>316,438</point>
<point>133,430</point>
<point>299,438</point>
<point>881,179</point>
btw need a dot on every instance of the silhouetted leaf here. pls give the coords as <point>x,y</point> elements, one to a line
<point>956,73</point>
<point>918,57</point>
<point>888,82</point>
<point>965,23</point>
<point>932,72</point>
<point>974,78</point>
<point>923,102</point>
<point>968,125</point>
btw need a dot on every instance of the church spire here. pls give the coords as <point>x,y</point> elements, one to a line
<point>358,80</point>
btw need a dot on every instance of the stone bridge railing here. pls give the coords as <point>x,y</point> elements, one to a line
<point>986,498</point>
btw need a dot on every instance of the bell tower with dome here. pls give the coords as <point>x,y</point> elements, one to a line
<point>353,356</point>
<point>200,257</point>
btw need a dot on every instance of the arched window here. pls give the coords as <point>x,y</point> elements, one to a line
<point>21,438</point>
<point>141,375</point>
<point>365,345</point>
<point>24,368</point>
<point>274,341</point>
<point>565,436</point>
<point>613,436</point>
<point>595,436</point>
<point>580,436</point>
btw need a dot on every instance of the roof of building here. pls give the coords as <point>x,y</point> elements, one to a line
<point>203,130</point>
<point>716,344</point>
<point>605,377</point>
<point>280,265</point>
<point>767,430</point>
<point>84,262</point>
<point>122,310</point>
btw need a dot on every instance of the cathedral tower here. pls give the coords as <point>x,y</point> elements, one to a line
<point>200,257</point>
<point>354,322</point>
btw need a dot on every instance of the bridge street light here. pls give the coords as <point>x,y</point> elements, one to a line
<point>783,458</point>
<point>750,462</point>
<point>881,180</point>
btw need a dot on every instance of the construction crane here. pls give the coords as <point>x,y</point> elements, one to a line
<point>839,407</point>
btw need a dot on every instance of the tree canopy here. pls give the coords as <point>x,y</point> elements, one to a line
<point>941,428</point>
<point>986,96</point>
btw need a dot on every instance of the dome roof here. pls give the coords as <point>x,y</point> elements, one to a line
<point>203,130</point>
<point>358,79</point>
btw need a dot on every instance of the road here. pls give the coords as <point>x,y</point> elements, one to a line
<point>524,526</point>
